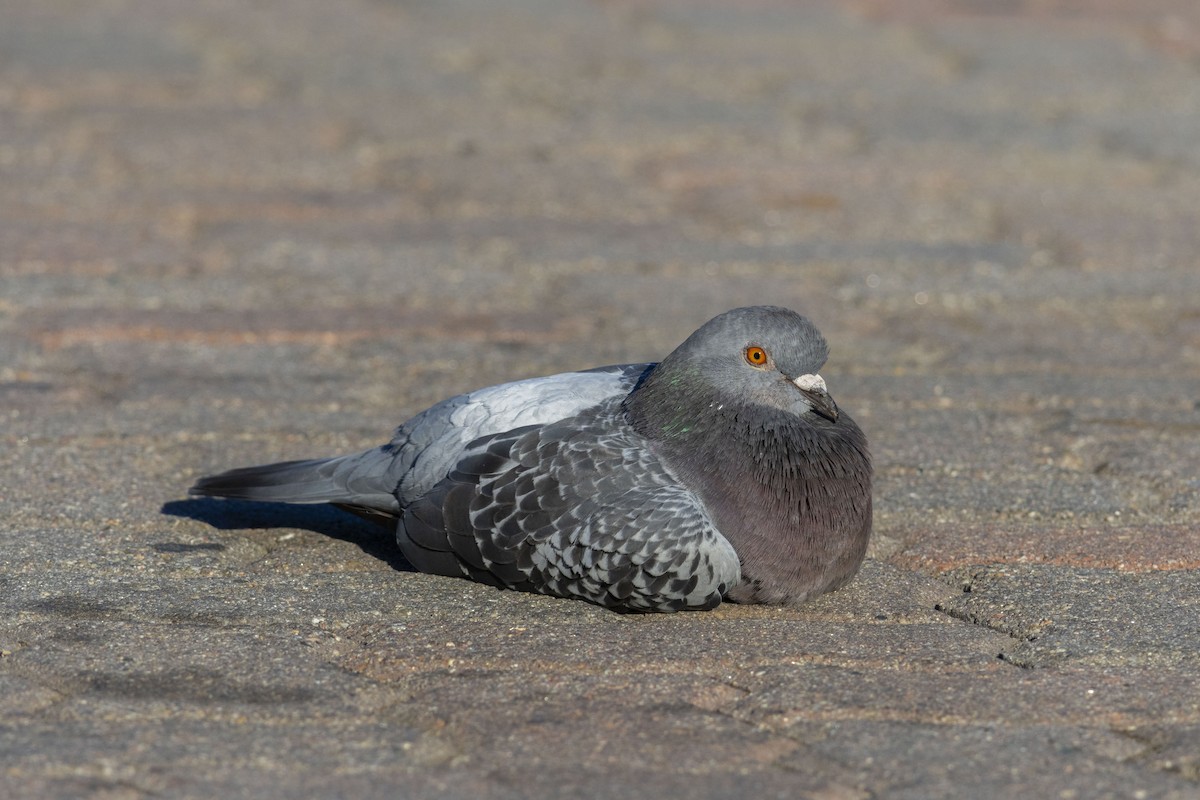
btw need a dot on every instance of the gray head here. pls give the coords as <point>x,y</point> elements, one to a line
<point>760,355</point>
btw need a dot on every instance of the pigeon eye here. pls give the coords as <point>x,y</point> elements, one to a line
<point>755,356</point>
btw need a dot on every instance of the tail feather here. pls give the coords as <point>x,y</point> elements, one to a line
<point>361,481</point>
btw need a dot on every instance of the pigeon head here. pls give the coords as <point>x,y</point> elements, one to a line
<point>758,356</point>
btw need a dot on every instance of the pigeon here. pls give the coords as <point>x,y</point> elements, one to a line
<point>724,472</point>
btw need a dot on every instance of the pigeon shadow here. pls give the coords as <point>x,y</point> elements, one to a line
<point>227,515</point>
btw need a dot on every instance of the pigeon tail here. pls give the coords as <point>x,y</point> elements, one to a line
<point>359,481</point>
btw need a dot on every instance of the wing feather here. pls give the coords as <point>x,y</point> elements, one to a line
<point>576,508</point>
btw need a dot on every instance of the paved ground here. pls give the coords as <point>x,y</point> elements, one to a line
<point>233,232</point>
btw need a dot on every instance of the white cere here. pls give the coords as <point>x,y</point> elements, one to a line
<point>810,383</point>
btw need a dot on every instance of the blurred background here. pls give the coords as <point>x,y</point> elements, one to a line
<point>345,212</point>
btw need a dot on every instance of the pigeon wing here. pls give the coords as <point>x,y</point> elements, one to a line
<point>427,446</point>
<point>578,508</point>
<point>378,482</point>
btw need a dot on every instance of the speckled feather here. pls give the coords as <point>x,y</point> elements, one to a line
<point>579,508</point>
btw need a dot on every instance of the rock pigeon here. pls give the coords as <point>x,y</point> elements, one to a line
<point>726,471</point>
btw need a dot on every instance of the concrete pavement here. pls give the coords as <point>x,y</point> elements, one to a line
<point>232,233</point>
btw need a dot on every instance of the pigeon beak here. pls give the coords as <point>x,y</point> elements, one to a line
<point>814,391</point>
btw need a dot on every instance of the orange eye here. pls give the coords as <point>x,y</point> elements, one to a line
<point>755,356</point>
